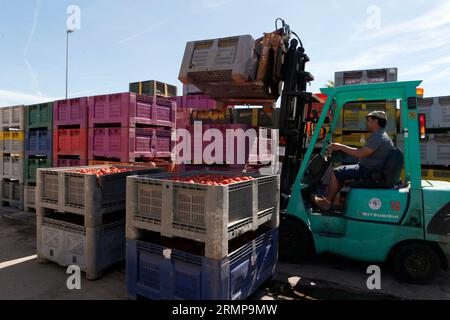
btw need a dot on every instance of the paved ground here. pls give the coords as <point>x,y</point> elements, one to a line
<point>324,277</point>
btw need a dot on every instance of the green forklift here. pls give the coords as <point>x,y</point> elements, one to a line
<point>384,219</point>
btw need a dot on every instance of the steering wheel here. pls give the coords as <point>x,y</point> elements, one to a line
<point>316,170</point>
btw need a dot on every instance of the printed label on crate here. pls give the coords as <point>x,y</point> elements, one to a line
<point>212,116</point>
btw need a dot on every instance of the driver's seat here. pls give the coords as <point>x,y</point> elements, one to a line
<point>386,178</point>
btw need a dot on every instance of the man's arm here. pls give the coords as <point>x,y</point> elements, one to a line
<point>354,152</point>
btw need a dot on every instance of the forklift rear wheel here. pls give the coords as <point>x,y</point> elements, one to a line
<point>416,263</point>
<point>295,241</point>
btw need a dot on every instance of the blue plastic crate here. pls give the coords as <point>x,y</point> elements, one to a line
<point>39,143</point>
<point>158,273</point>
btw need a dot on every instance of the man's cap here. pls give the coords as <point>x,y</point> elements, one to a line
<point>378,114</point>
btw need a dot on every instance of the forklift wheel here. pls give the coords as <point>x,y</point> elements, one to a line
<point>416,263</point>
<point>295,241</point>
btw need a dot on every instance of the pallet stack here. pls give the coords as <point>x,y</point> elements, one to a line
<point>70,132</point>
<point>195,241</point>
<point>38,147</point>
<point>12,122</point>
<point>435,148</point>
<point>130,128</point>
<point>80,216</point>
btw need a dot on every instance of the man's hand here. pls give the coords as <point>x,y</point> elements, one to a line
<point>335,147</point>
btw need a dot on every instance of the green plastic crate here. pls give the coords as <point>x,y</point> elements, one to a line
<point>39,116</point>
<point>31,165</point>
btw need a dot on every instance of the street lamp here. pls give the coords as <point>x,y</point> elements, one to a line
<point>69,31</point>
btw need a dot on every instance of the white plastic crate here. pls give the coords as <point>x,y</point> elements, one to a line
<point>225,59</point>
<point>11,194</point>
<point>29,194</point>
<point>224,68</point>
<point>13,117</point>
<point>11,167</point>
<point>440,113</point>
<point>64,190</point>
<point>70,243</point>
<point>209,214</point>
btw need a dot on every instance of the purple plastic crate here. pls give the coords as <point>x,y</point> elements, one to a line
<point>129,109</point>
<point>197,102</point>
<point>66,163</point>
<point>129,144</point>
<point>72,112</point>
<point>39,143</point>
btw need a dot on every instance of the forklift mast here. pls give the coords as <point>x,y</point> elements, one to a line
<point>294,100</point>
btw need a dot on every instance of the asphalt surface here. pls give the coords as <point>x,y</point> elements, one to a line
<point>324,277</point>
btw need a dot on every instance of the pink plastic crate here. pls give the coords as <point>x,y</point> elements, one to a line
<point>129,144</point>
<point>72,112</point>
<point>66,163</point>
<point>129,109</point>
<point>251,155</point>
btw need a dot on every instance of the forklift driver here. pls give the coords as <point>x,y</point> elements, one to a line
<point>372,156</point>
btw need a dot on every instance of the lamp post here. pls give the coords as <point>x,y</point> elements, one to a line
<point>69,31</point>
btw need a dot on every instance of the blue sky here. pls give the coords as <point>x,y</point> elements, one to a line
<point>121,41</point>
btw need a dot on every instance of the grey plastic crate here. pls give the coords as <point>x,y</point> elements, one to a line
<point>209,214</point>
<point>29,194</point>
<point>344,78</point>
<point>11,167</point>
<point>190,89</point>
<point>13,117</point>
<point>435,150</point>
<point>224,60</point>
<point>64,190</point>
<point>437,111</point>
<point>91,249</point>
<point>11,194</point>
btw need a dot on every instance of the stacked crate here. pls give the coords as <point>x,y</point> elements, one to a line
<point>200,242</point>
<point>80,217</point>
<point>194,109</point>
<point>130,128</point>
<point>154,88</point>
<point>70,132</point>
<point>435,148</point>
<point>38,147</point>
<point>12,155</point>
<point>186,105</point>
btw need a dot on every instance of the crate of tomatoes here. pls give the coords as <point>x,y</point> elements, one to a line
<point>211,207</point>
<point>89,191</point>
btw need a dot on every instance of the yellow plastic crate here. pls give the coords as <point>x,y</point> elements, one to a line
<point>433,174</point>
<point>353,115</point>
<point>356,139</point>
<point>13,135</point>
<point>440,175</point>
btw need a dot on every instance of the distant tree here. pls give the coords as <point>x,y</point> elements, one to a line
<point>330,84</point>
